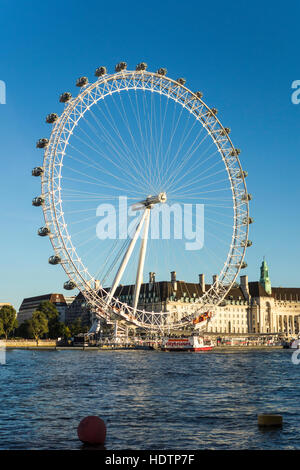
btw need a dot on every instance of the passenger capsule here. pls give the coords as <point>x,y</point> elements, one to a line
<point>247,244</point>
<point>225,131</point>
<point>37,171</point>
<point>181,81</point>
<point>100,71</point>
<point>82,81</point>
<point>120,66</point>
<point>64,97</point>
<point>248,220</point>
<point>141,66</point>
<point>235,152</point>
<point>199,94</point>
<point>242,174</point>
<point>247,197</point>
<point>162,71</point>
<point>214,111</point>
<point>38,201</point>
<point>42,143</point>
<point>43,231</point>
<point>244,265</point>
<point>69,285</point>
<point>51,118</point>
<point>54,260</point>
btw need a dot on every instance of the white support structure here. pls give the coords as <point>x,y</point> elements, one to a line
<point>126,259</point>
<point>140,270</point>
<point>95,328</point>
<point>145,219</point>
<point>116,330</point>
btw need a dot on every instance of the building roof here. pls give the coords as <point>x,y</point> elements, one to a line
<point>278,293</point>
<point>29,301</point>
<point>286,293</point>
<point>164,290</point>
<point>235,293</point>
<point>257,290</point>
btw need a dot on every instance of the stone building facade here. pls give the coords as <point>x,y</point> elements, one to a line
<point>257,307</point>
<point>249,307</point>
<point>78,310</point>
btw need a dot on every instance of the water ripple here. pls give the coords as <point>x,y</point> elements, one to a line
<point>149,400</point>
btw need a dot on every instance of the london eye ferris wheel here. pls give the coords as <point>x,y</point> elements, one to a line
<point>140,175</point>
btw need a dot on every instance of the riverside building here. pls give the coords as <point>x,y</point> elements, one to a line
<point>249,307</point>
<point>30,304</point>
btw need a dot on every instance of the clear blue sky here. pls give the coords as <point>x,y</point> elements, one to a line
<point>242,55</point>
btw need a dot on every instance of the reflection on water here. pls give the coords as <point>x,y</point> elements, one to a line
<point>149,400</point>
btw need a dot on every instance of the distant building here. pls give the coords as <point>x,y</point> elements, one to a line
<point>69,301</point>
<point>249,307</point>
<point>78,309</point>
<point>30,304</point>
<point>274,309</point>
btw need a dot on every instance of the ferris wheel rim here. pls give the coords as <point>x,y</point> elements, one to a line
<point>51,215</point>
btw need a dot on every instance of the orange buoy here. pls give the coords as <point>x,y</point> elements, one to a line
<point>92,430</point>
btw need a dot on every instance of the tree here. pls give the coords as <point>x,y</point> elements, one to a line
<point>38,324</point>
<point>49,310</point>
<point>59,329</point>
<point>67,332</point>
<point>76,327</point>
<point>52,314</point>
<point>8,318</point>
<point>24,330</point>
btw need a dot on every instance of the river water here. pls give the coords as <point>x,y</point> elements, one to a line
<point>149,400</point>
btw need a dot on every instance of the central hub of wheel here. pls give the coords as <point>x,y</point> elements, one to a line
<point>150,200</point>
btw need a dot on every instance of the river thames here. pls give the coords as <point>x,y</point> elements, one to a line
<point>149,400</point>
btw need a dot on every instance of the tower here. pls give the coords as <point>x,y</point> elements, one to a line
<point>264,277</point>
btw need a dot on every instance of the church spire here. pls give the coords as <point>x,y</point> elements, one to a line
<point>264,277</point>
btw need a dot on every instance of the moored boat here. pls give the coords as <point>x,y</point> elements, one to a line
<point>295,344</point>
<point>192,343</point>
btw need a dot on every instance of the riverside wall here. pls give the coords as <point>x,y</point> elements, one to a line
<point>29,343</point>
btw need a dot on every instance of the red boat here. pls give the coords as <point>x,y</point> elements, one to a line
<point>193,343</point>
